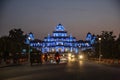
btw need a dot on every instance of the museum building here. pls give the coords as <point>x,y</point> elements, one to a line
<point>61,42</point>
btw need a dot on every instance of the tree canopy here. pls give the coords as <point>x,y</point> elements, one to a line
<point>14,42</point>
<point>108,44</point>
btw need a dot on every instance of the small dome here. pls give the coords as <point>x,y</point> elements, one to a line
<point>60,27</point>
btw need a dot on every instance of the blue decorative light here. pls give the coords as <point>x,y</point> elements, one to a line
<point>59,41</point>
<point>60,28</point>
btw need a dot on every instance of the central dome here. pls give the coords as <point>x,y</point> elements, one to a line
<point>60,27</point>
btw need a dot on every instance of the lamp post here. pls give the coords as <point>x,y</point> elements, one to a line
<point>100,55</point>
<point>29,49</point>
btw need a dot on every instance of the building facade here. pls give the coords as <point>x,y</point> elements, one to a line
<point>60,41</point>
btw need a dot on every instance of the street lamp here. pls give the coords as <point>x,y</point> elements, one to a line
<point>100,55</point>
<point>29,49</point>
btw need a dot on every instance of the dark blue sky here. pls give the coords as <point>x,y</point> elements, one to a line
<point>77,16</point>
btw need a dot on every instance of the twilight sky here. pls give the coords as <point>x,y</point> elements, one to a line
<point>77,16</point>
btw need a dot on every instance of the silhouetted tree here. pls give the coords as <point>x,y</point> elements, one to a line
<point>5,46</point>
<point>13,43</point>
<point>17,39</point>
<point>117,47</point>
<point>107,44</point>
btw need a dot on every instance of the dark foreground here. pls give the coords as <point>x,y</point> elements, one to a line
<point>79,70</point>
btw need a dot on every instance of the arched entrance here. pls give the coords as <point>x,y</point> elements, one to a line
<point>59,49</point>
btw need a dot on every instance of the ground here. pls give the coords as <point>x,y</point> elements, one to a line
<point>75,70</point>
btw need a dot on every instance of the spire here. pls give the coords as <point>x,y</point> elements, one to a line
<point>60,27</point>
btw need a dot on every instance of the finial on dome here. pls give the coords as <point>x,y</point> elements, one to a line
<point>59,27</point>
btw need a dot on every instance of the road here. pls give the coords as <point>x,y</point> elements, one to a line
<point>78,70</point>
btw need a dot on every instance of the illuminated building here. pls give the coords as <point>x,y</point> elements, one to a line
<point>60,41</point>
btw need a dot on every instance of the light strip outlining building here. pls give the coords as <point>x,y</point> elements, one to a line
<point>61,42</point>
